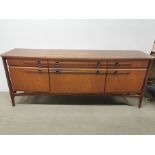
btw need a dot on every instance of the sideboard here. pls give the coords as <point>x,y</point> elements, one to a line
<point>80,72</point>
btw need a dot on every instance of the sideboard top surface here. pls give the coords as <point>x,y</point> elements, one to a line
<point>76,54</point>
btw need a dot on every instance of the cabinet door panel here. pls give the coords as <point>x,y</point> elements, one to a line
<point>124,80</point>
<point>29,79</point>
<point>77,81</point>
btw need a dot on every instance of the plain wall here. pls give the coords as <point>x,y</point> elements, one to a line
<point>75,34</point>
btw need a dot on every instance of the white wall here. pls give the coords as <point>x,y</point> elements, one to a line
<point>75,34</point>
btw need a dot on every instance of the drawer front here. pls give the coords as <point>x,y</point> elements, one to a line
<point>128,64</point>
<point>124,80</point>
<point>77,64</point>
<point>27,62</point>
<point>29,79</point>
<point>77,81</point>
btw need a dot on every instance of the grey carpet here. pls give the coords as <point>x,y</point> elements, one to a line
<point>75,115</point>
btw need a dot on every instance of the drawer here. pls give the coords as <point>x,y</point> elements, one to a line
<point>78,64</point>
<point>27,62</point>
<point>127,64</point>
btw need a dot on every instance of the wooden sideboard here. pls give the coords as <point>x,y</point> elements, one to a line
<point>80,72</point>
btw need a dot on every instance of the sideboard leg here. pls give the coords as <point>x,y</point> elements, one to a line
<point>140,101</point>
<point>145,83</point>
<point>9,81</point>
<point>13,100</point>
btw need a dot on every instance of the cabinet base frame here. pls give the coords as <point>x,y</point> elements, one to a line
<point>54,94</point>
<point>14,93</point>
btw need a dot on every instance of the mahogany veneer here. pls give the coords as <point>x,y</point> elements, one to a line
<point>81,72</point>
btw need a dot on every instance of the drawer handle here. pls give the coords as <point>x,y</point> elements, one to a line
<point>40,71</point>
<point>57,65</point>
<point>37,71</point>
<point>98,64</point>
<point>77,71</point>
<point>97,72</point>
<point>118,64</point>
<point>28,62</point>
<point>33,63</point>
<point>57,71</point>
<point>39,62</point>
<point>118,73</point>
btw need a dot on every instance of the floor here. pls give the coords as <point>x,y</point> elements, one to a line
<point>76,115</point>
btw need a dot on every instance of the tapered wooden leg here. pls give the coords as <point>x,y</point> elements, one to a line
<point>145,83</point>
<point>9,82</point>
<point>13,100</point>
<point>140,101</point>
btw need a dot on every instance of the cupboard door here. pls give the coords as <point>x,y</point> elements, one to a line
<point>29,79</point>
<point>124,80</point>
<point>77,80</point>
